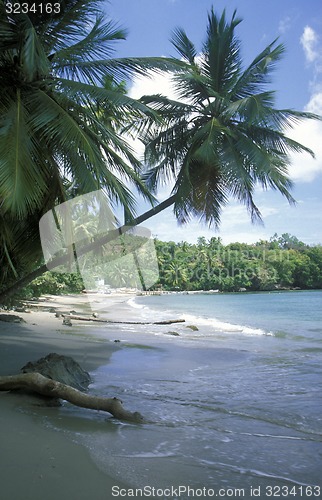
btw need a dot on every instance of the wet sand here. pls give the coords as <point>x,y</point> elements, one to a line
<point>38,462</point>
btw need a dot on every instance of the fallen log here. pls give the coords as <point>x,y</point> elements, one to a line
<point>89,318</point>
<point>36,382</point>
<point>168,321</point>
<point>11,318</point>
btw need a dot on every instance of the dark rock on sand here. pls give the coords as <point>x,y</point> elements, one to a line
<point>67,321</point>
<point>64,369</point>
<point>11,318</point>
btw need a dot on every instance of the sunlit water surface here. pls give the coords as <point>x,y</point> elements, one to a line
<point>234,404</point>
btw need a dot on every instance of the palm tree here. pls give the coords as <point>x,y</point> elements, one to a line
<point>219,140</point>
<point>224,136</point>
<point>53,73</point>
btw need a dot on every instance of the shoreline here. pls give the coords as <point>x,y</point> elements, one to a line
<point>38,461</point>
<point>204,393</point>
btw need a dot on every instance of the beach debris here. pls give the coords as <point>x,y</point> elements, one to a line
<point>22,310</point>
<point>91,318</point>
<point>117,340</point>
<point>32,380</point>
<point>175,334</point>
<point>11,318</point>
<point>61,368</point>
<point>194,328</point>
<point>67,321</point>
<point>83,318</point>
<point>168,321</point>
<point>47,387</point>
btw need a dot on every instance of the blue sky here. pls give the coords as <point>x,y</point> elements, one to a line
<point>297,81</point>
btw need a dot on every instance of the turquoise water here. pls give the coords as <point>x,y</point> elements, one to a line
<point>294,313</point>
<point>232,406</point>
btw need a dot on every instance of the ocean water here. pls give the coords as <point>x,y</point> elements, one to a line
<point>234,406</point>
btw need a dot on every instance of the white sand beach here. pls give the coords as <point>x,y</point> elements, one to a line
<point>36,461</point>
<point>228,402</point>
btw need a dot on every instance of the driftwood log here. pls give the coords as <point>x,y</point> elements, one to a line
<point>36,382</point>
<point>88,318</point>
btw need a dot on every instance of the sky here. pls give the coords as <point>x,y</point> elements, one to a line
<point>297,81</point>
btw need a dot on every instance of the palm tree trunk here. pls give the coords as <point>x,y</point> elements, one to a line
<point>5,294</point>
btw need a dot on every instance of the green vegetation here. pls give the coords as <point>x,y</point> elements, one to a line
<point>65,116</point>
<point>282,262</point>
<point>54,284</point>
<point>60,115</point>
<point>225,136</point>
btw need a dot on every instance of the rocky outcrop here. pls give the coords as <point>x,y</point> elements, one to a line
<point>11,318</point>
<point>63,369</point>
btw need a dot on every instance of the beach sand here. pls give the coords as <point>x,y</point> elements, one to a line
<point>38,462</point>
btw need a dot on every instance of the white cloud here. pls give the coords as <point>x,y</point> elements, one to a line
<point>304,168</point>
<point>315,103</point>
<point>152,84</point>
<point>309,41</point>
<point>312,46</point>
<point>284,24</point>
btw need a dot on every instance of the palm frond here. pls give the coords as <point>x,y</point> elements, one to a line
<point>93,96</point>
<point>97,43</point>
<point>257,75</point>
<point>221,52</point>
<point>32,56</point>
<point>95,71</point>
<point>183,45</point>
<point>229,138</point>
<point>18,173</point>
<point>69,26</point>
<point>192,86</point>
<point>200,193</point>
<point>256,108</point>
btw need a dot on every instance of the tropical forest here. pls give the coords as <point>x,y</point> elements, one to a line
<point>66,125</point>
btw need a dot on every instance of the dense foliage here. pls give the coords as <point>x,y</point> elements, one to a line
<point>54,284</point>
<point>62,103</point>
<point>65,119</point>
<point>282,262</point>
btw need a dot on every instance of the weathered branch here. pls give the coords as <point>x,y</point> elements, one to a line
<point>36,382</point>
<point>84,318</point>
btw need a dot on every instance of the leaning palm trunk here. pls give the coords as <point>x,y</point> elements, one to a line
<point>61,103</point>
<point>222,140</point>
<point>113,234</point>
